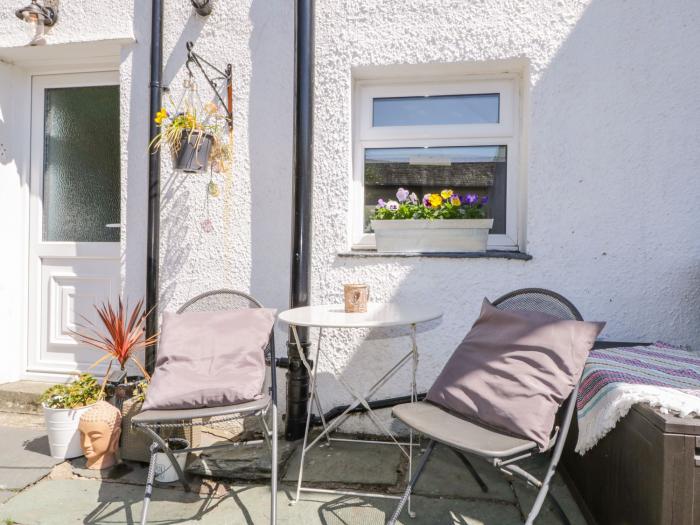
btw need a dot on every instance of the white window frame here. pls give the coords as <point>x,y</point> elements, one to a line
<point>503,133</point>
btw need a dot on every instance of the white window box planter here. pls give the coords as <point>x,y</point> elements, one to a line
<point>440,235</point>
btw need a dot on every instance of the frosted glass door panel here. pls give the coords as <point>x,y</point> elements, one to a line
<point>81,188</point>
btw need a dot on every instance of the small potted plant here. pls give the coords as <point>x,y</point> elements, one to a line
<point>120,336</point>
<point>134,444</point>
<point>439,222</point>
<point>194,138</point>
<point>63,405</point>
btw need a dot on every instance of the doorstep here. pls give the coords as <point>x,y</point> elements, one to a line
<point>22,396</point>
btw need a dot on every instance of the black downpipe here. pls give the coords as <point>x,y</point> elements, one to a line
<point>153,242</point>
<point>297,375</point>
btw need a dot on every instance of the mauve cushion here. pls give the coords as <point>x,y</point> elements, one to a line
<point>513,371</point>
<point>209,359</point>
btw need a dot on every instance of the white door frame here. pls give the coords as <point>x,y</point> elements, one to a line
<point>34,368</point>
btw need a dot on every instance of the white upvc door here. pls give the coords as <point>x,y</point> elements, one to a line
<point>75,220</point>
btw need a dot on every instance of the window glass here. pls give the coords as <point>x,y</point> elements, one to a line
<point>81,189</point>
<point>437,110</point>
<point>464,169</point>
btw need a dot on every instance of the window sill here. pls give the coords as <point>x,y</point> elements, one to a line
<point>488,254</point>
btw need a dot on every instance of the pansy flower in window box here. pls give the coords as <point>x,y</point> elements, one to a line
<point>439,222</point>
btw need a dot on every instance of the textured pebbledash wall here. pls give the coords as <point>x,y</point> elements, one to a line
<point>609,153</point>
<point>611,123</point>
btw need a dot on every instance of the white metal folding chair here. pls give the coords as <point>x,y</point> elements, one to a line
<point>501,450</point>
<point>151,421</point>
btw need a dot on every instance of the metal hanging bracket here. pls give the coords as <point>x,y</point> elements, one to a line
<point>214,81</point>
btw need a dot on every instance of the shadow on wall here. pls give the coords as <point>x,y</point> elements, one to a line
<point>175,200</point>
<point>11,120</point>
<point>270,142</point>
<point>178,56</point>
<point>175,245</point>
<point>135,60</point>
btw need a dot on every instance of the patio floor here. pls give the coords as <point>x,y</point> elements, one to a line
<point>68,494</point>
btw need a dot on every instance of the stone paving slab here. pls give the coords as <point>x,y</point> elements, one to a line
<point>6,495</point>
<point>24,457</point>
<point>348,463</point>
<point>87,501</point>
<point>445,475</point>
<point>9,419</point>
<point>124,472</point>
<point>22,396</point>
<point>526,498</point>
<point>244,463</point>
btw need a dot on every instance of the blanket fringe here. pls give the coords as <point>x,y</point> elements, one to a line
<point>603,417</point>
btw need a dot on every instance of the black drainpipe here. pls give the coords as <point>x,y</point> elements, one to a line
<point>297,376</point>
<point>152,245</point>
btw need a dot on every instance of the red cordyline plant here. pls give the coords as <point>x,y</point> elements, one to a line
<point>122,333</point>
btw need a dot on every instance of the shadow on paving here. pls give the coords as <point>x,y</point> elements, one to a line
<point>446,494</point>
<point>66,502</point>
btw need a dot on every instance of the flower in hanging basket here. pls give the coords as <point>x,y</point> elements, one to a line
<point>444,205</point>
<point>160,116</point>
<point>194,138</point>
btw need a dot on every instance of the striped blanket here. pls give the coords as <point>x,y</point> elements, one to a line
<point>614,379</point>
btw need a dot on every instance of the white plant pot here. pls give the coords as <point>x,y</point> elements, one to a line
<point>62,428</point>
<point>439,235</point>
<point>165,472</point>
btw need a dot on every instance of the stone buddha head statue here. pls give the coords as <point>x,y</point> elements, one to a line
<point>100,428</point>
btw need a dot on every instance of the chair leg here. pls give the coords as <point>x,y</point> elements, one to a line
<point>149,483</point>
<point>412,483</point>
<point>542,494</point>
<point>472,470</point>
<point>273,469</point>
<point>171,457</point>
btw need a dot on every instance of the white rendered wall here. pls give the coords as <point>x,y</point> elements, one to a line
<point>610,119</point>
<point>13,193</point>
<point>248,248</point>
<point>79,21</point>
<point>611,124</point>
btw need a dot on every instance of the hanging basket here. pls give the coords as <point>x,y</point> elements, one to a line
<point>193,154</point>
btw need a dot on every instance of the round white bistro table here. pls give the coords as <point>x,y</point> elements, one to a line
<point>378,315</point>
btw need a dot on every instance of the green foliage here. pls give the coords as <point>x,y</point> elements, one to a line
<point>140,392</point>
<point>85,390</point>
<point>190,123</point>
<point>445,205</point>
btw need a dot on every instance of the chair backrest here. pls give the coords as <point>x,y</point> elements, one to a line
<point>547,302</point>
<point>539,300</point>
<point>225,299</point>
<point>218,300</point>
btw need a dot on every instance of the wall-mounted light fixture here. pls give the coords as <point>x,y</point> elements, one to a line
<point>38,16</point>
<point>202,7</point>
